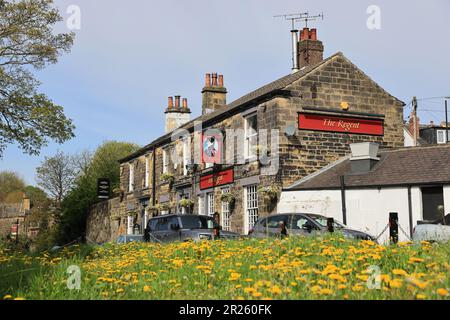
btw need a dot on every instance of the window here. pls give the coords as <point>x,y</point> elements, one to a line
<point>131,178</point>
<point>441,136</point>
<point>432,203</point>
<point>130,225</point>
<point>210,203</point>
<point>147,172</point>
<point>165,161</point>
<point>201,205</point>
<point>274,221</point>
<point>251,207</point>
<point>163,224</point>
<point>225,216</point>
<point>251,136</point>
<point>186,155</point>
<point>298,222</point>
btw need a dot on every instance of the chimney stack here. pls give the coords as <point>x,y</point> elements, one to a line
<point>310,50</point>
<point>176,116</point>
<point>214,94</point>
<point>364,156</point>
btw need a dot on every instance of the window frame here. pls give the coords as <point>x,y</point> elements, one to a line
<point>443,140</point>
<point>165,160</point>
<point>225,218</point>
<point>251,213</point>
<point>131,177</point>
<point>250,154</point>
<point>147,172</point>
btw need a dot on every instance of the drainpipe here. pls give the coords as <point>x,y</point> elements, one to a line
<point>344,207</point>
<point>410,212</point>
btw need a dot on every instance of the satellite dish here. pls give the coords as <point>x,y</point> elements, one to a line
<point>290,130</point>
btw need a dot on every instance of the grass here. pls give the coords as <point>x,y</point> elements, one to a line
<point>293,268</point>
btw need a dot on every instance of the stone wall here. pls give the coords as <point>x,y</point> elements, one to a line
<point>106,221</point>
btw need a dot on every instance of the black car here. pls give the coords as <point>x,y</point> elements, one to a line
<point>179,227</point>
<point>301,224</point>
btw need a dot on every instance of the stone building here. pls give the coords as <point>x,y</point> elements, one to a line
<point>256,145</point>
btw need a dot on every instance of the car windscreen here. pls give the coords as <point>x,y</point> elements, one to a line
<point>197,222</point>
<point>323,221</point>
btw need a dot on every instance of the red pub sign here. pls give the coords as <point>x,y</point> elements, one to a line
<point>217,179</point>
<point>319,122</point>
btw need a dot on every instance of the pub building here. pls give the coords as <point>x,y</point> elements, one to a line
<point>311,117</point>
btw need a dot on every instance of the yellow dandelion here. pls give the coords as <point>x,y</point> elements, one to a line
<point>147,288</point>
<point>442,292</point>
<point>420,296</point>
<point>399,272</point>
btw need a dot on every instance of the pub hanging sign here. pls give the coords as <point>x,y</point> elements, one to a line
<point>320,122</point>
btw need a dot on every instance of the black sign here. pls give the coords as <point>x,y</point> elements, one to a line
<point>103,188</point>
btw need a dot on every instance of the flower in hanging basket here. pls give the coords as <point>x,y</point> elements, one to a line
<point>228,197</point>
<point>186,203</point>
<point>167,177</point>
<point>269,193</point>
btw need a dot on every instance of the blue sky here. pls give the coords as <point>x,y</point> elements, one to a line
<point>129,56</point>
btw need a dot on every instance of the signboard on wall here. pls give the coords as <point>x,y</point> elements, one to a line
<point>217,179</point>
<point>103,188</point>
<point>320,122</point>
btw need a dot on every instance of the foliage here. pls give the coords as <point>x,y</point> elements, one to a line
<point>186,203</point>
<point>228,197</point>
<point>27,42</point>
<point>328,267</point>
<point>57,175</point>
<point>168,177</point>
<point>10,182</point>
<point>76,204</point>
<point>269,193</point>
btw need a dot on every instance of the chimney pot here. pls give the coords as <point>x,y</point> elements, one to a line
<point>185,103</point>
<point>220,80</point>
<point>170,103</point>
<point>207,80</point>
<point>214,79</point>
<point>313,34</point>
<point>177,101</point>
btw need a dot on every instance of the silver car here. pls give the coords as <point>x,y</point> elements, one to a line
<point>301,224</point>
<point>170,228</point>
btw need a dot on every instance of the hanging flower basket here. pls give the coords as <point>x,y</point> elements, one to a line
<point>186,203</point>
<point>228,197</point>
<point>269,193</point>
<point>167,177</point>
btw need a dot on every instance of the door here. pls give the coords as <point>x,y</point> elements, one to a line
<point>432,203</point>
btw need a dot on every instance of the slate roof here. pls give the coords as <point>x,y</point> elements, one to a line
<point>400,167</point>
<point>264,91</point>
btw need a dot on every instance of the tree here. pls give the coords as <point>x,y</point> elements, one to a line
<point>56,175</point>
<point>10,183</point>
<point>27,117</point>
<point>76,204</point>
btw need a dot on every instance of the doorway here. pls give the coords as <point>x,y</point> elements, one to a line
<point>432,203</point>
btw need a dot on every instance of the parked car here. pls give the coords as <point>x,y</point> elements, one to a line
<point>433,231</point>
<point>127,238</point>
<point>302,224</point>
<point>179,227</point>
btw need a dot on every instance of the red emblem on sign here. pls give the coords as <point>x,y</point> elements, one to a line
<point>217,179</point>
<point>320,122</point>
